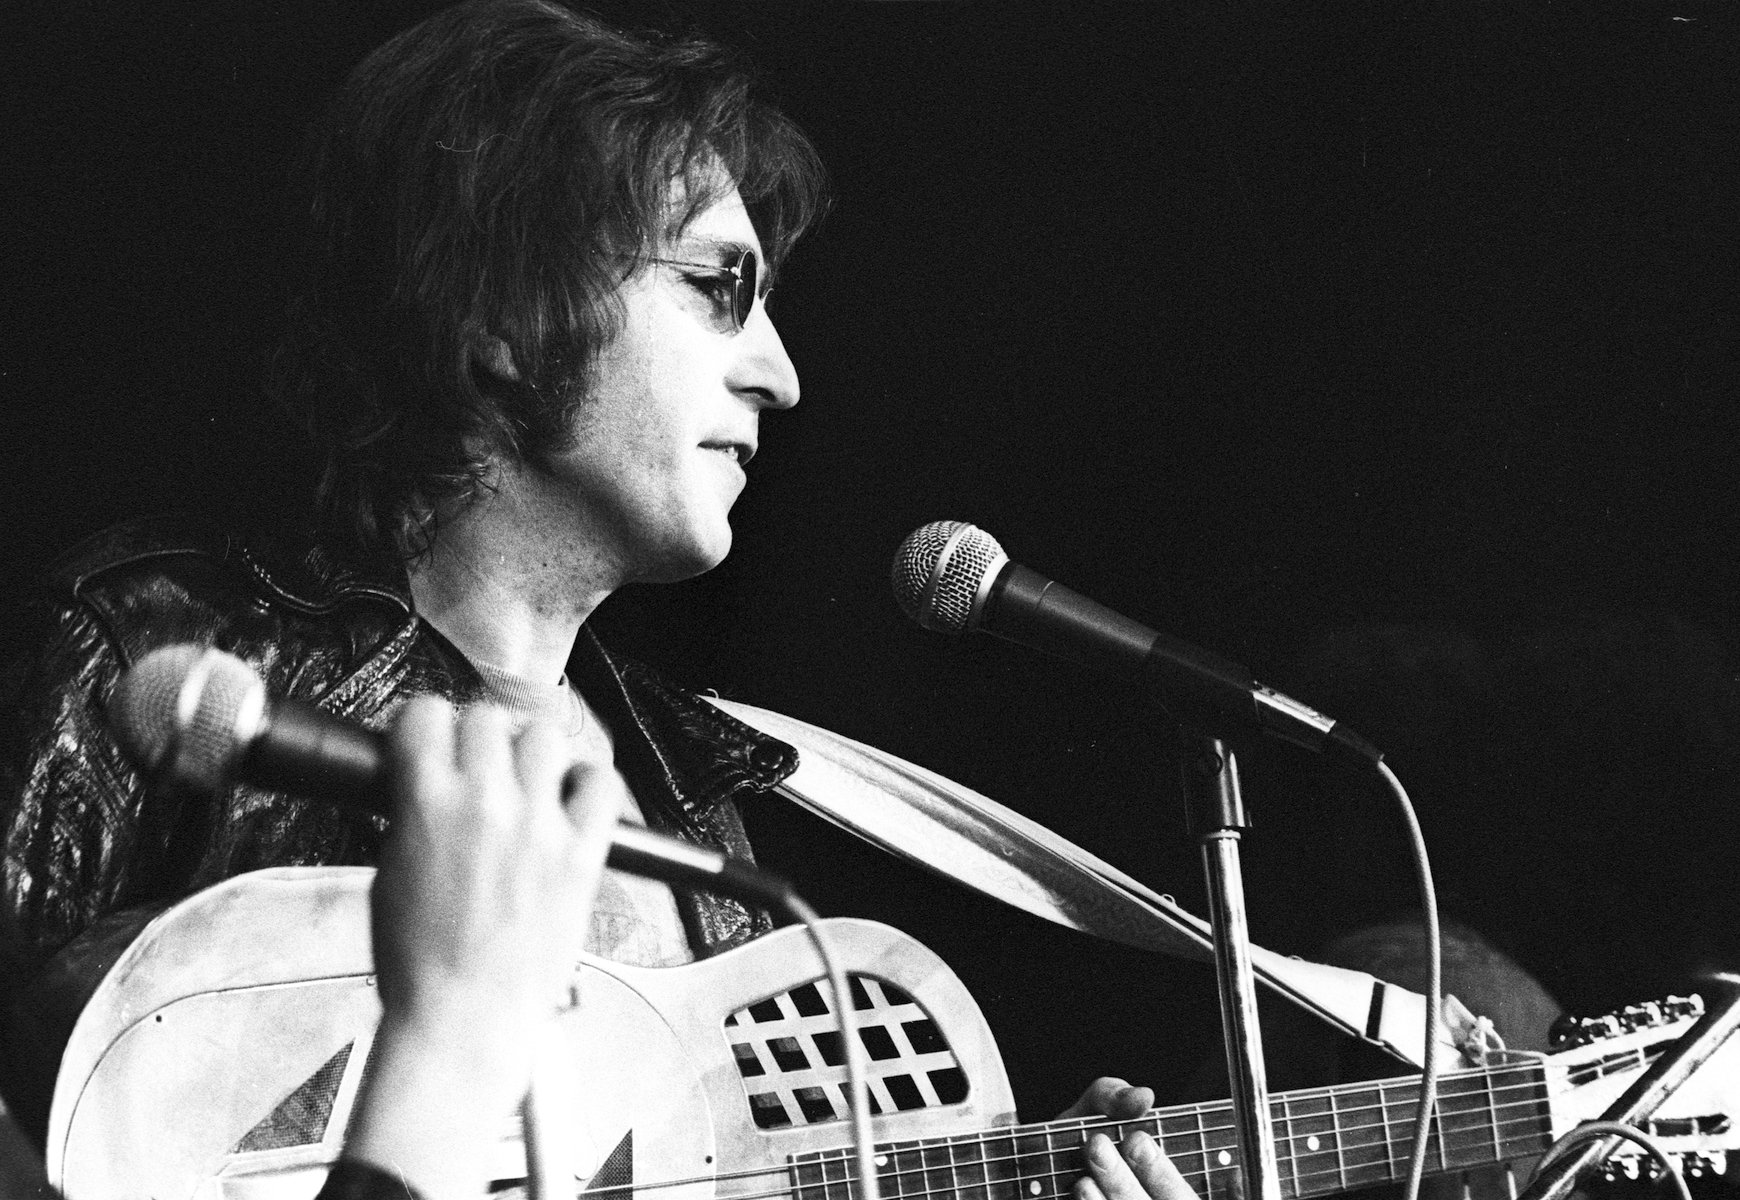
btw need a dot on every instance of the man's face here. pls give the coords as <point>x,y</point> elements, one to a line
<point>659,445</point>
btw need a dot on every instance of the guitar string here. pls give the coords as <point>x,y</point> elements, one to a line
<point>1485,1138</point>
<point>1486,1135</point>
<point>1475,1089</point>
<point>1483,1100</point>
<point>1346,1175</point>
<point>1202,1177</point>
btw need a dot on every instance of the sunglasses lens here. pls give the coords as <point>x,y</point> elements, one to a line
<point>748,278</point>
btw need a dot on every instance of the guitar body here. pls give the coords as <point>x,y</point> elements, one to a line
<point>222,1054</point>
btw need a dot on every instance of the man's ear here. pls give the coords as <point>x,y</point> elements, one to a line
<point>494,356</point>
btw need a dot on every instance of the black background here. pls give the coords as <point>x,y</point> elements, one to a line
<point>1388,348</point>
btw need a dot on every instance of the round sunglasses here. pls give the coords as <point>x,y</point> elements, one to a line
<point>745,273</point>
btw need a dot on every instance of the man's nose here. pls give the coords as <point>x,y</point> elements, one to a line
<point>763,370</point>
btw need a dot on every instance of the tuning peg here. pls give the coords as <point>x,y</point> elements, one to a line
<point>1569,1032</point>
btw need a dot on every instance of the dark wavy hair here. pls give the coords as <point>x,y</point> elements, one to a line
<point>498,170</point>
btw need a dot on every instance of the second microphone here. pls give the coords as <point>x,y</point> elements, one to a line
<point>953,577</point>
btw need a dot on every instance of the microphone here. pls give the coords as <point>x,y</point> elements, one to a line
<point>952,577</point>
<point>200,717</point>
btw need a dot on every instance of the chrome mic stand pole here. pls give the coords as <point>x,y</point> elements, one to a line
<point>1215,816</point>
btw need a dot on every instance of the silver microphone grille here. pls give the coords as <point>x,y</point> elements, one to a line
<point>187,712</point>
<point>939,570</point>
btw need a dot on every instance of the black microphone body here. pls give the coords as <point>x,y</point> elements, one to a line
<point>954,577</point>
<point>307,751</point>
<point>1027,608</point>
<point>200,716</point>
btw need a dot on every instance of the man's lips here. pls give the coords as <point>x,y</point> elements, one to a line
<point>741,452</point>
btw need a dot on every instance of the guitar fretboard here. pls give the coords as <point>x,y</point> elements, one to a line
<point>1326,1140</point>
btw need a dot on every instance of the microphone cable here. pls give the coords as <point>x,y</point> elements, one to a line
<point>947,576</point>
<point>857,1071</point>
<point>1429,1068</point>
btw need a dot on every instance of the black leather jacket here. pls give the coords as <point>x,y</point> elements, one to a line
<point>88,846</point>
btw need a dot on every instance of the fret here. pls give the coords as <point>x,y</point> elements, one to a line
<point>1364,1140</point>
<point>954,1168</point>
<point>967,1166</point>
<point>1404,1104</point>
<point>1178,1126</point>
<point>1434,1128</point>
<point>1027,1165</point>
<point>1220,1148</point>
<point>1340,1153</point>
<point>808,1174</point>
<point>887,1182</point>
<point>1399,1131</point>
<point>908,1170</point>
<point>1527,1122</point>
<point>1310,1145</point>
<point>1492,1112</point>
<point>1465,1120</point>
<point>939,1175</point>
<point>1283,1125</point>
<point>848,1181</point>
<point>1154,1125</point>
<point>999,1161</point>
<point>1179,1137</point>
<point>1059,1170</point>
<point>836,1176</point>
<point>1327,1140</point>
<point>1202,1151</point>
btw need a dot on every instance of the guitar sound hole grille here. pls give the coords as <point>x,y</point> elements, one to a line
<point>790,1056</point>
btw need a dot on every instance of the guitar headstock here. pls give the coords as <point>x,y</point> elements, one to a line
<point>1603,1055</point>
<point>1569,1033</point>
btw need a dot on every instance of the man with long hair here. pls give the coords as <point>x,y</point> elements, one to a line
<point>532,349</point>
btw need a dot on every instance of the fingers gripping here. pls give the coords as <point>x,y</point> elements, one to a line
<point>1111,1097</point>
<point>420,747</point>
<point>1136,1170</point>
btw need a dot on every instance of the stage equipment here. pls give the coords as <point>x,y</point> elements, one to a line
<point>954,577</point>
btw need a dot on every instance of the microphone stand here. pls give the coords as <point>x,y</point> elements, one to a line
<point>1215,816</point>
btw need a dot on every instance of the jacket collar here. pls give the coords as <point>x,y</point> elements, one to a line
<point>681,754</point>
<point>697,754</point>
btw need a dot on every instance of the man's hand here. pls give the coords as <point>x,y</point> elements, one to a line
<point>1136,1170</point>
<point>485,888</point>
<point>480,911</point>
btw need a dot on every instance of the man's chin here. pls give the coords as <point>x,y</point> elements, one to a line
<point>689,562</point>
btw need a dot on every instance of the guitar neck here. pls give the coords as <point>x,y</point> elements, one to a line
<point>1330,1139</point>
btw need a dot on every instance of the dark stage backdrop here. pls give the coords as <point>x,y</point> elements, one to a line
<point>1389,348</point>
